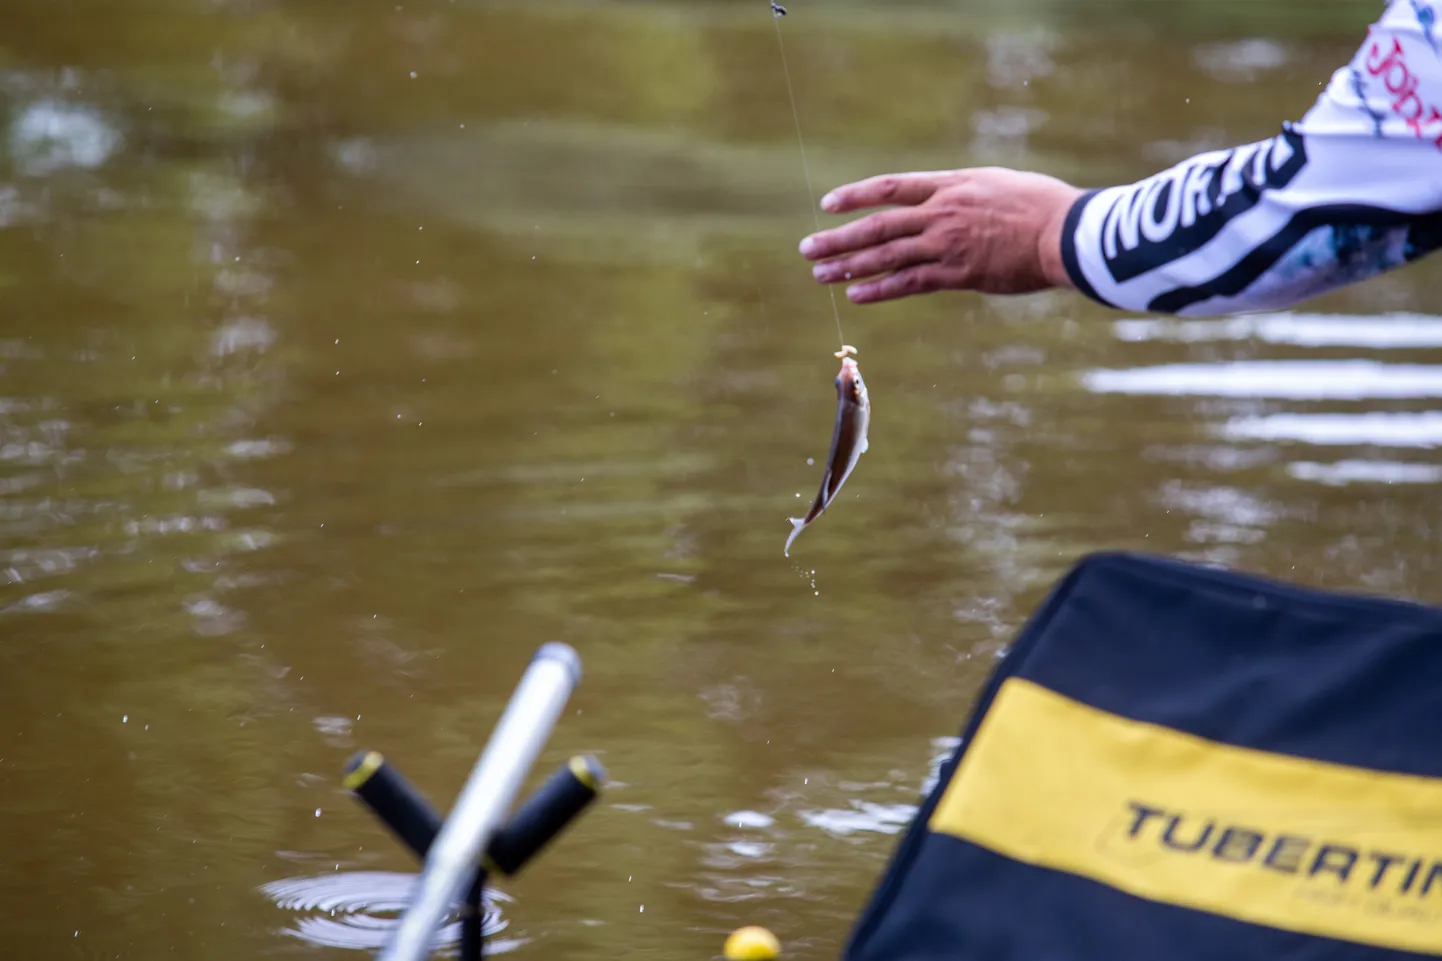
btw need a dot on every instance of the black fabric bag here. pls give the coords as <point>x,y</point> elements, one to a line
<point>1177,763</point>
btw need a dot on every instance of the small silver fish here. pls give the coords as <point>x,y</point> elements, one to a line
<point>848,440</point>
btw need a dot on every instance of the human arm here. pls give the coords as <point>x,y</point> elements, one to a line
<point>1353,190</point>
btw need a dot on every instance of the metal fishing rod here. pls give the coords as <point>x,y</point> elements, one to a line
<point>453,856</point>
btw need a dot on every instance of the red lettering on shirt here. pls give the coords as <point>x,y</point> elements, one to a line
<point>1391,67</point>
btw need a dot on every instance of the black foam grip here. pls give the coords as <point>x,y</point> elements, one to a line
<point>411,818</point>
<point>394,800</point>
<point>545,814</point>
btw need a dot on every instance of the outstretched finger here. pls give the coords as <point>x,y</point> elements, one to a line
<point>921,279</point>
<point>901,189</point>
<point>866,232</point>
<point>904,252</point>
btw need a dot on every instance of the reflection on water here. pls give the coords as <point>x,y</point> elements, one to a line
<point>1303,329</point>
<point>1367,472</point>
<point>360,910</point>
<point>1306,380</point>
<point>347,354</point>
<point>1376,428</point>
<point>1290,379</point>
<point>1241,61</point>
<point>47,136</point>
<point>1276,388</point>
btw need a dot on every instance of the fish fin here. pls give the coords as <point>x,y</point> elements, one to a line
<point>798,524</point>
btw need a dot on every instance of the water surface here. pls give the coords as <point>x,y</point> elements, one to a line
<point>348,352</point>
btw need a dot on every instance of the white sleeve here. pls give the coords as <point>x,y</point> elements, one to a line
<point>1351,191</point>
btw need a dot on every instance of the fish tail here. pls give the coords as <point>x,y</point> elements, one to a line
<point>798,524</point>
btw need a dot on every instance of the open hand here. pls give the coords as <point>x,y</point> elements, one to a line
<point>986,229</point>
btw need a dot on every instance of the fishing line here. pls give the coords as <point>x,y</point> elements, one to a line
<point>777,12</point>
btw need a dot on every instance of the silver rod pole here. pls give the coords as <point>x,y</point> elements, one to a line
<point>487,797</point>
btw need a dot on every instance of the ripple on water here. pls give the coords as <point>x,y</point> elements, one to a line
<point>360,909</point>
<point>44,602</point>
<point>20,565</point>
<point>862,816</point>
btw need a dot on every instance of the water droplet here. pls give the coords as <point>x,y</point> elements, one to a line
<point>317,812</point>
<point>125,719</point>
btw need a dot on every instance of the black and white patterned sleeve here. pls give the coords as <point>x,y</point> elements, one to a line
<point>1352,190</point>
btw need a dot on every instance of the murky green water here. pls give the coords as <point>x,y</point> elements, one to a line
<point>348,352</point>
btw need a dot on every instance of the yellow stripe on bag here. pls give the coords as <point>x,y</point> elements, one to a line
<point>1300,845</point>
